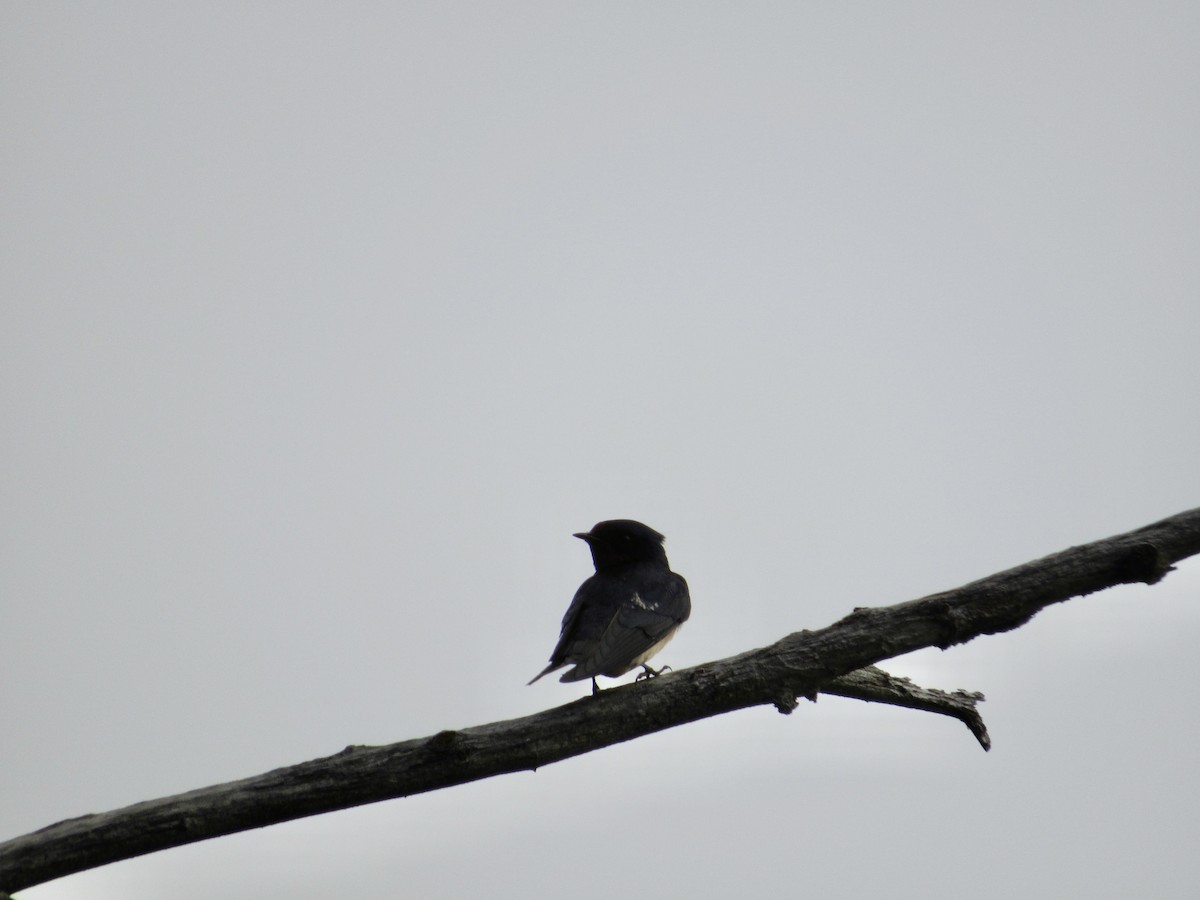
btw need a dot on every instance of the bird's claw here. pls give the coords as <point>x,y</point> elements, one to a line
<point>647,673</point>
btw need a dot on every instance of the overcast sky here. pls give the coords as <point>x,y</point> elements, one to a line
<point>323,326</point>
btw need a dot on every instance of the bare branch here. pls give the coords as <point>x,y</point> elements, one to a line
<point>877,686</point>
<point>798,665</point>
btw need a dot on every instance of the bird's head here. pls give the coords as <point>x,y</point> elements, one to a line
<point>618,542</point>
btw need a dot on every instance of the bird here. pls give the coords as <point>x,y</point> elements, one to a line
<point>625,613</point>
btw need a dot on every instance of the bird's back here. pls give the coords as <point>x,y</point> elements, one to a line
<point>618,616</point>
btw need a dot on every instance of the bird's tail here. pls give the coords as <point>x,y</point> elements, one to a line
<point>546,671</point>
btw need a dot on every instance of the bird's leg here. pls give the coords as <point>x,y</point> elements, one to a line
<point>595,687</point>
<point>648,672</point>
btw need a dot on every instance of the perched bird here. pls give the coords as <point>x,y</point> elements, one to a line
<point>626,612</point>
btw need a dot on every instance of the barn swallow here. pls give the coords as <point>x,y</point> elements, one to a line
<point>626,612</point>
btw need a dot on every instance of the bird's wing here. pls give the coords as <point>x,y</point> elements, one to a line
<point>646,617</point>
<point>580,626</point>
<point>577,624</point>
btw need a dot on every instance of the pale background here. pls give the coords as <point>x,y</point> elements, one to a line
<point>324,325</point>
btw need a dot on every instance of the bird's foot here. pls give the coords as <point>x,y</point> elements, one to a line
<point>648,673</point>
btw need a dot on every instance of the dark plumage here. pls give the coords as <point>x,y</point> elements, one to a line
<point>627,611</point>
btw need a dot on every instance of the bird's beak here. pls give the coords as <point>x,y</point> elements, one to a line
<point>583,535</point>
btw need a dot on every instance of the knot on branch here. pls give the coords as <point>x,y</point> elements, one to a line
<point>785,701</point>
<point>1144,563</point>
<point>449,745</point>
<point>955,626</point>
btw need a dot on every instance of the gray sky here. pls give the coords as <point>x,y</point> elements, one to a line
<point>324,325</point>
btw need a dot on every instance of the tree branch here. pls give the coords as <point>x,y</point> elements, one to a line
<point>877,686</point>
<point>800,664</point>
